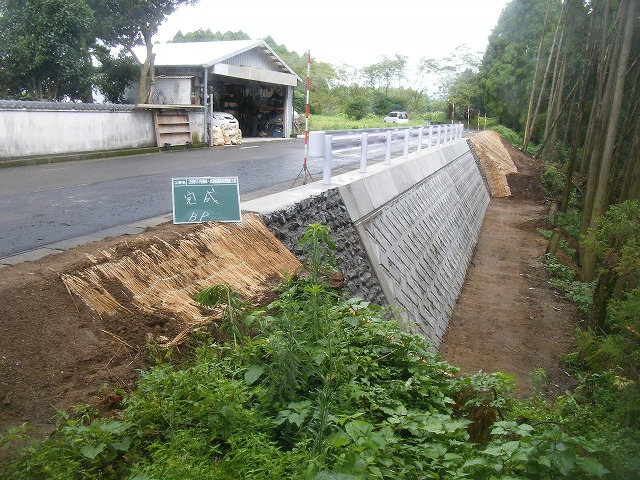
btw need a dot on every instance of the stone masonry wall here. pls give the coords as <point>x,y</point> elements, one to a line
<point>410,252</point>
<point>328,209</point>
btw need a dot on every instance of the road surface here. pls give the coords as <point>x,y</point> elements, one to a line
<point>44,204</point>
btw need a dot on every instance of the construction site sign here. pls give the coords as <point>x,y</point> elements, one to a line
<point>206,199</point>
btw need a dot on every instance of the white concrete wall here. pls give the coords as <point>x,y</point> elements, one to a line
<point>196,121</point>
<point>31,131</point>
<point>419,224</point>
<point>418,221</point>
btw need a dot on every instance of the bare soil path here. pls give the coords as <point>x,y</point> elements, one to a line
<point>55,352</point>
<point>508,317</point>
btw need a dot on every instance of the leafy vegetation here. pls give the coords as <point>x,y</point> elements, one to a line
<point>43,49</point>
<point>47,46</point>
<point>327,387</point>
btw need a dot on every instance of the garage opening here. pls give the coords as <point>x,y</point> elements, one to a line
<point>259,107</point>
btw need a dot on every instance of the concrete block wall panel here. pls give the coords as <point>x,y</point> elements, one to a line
<point>405,232</point>
<point>421,242</point>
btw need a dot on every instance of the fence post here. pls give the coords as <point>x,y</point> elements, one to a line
<point>420,139</point>
<point>439,129</point>
<point>405,153</point>
<point>328,157</point>
<point>430,135</point>
<point>387,154</point>
<point>364,141</point>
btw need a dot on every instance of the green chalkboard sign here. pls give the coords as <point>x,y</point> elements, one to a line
<point>206,199</point>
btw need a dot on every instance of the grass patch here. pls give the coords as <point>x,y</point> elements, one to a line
<point>342,122</point>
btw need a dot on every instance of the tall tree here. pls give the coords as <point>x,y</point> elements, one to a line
<point>43,49</point>
<point>508,65</point>
<point>128,23</point>
<point>534,83</point>
<point>610,111</point>
<point>385,71</point>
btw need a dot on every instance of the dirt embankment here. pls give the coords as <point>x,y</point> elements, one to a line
<point>508,318</point>
<point>56,351</point>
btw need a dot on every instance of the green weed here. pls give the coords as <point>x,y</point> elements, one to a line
<point>326,387</point>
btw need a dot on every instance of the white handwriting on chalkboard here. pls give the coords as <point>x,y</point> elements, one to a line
<point>209,197</point>
<point>194,216</point>
<point>190,198</point>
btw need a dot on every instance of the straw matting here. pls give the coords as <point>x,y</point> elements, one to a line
<point>163,278</point>
<point>496,161</point>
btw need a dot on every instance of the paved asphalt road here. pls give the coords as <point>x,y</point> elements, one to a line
<point>44,204</point>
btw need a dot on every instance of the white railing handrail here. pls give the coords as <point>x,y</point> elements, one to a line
<point>321,144</point>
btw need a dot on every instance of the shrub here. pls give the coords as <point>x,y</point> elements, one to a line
<point>328,388</point>
<point>358,108</point>
<point>552,182</point>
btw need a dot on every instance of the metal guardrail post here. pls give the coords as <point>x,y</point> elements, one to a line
<point>420,139</point>
<point>430,135</point>
<point>328,158</point>
<point>438,140</point>
<point>387,154</point>
<point>405,152</point>
<point>364,142</point>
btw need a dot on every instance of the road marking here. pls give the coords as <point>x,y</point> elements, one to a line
<point>252,146</point>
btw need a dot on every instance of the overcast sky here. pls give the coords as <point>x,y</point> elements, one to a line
<point>353,32</point>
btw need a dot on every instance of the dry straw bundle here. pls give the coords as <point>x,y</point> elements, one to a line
<point>496,162</point>
<point>164,278</point>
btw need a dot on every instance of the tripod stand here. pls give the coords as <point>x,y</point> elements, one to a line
<point>303,171</point>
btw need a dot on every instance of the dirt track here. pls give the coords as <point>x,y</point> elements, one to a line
<point>56,352</point>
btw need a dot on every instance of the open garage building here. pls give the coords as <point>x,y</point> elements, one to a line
<point>245,78</point>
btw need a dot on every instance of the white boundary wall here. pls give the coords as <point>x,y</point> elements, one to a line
<point>29,129</point>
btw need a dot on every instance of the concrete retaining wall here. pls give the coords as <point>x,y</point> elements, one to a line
<point>30,129</point>
<point>405,232</point>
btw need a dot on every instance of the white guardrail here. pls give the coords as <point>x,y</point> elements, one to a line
<point>322,144</point>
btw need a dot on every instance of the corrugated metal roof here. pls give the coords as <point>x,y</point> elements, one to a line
<point>208,53</point>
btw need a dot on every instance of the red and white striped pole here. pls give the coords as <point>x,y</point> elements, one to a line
<point>306,118</point>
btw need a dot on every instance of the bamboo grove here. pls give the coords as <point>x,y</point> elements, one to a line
<point>566,75</point>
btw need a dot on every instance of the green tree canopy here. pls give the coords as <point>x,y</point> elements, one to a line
<point>127,23</point>
<point>385,71</point>
<point>207,35</point>
<point>508,64</point>
<point>43,49</point>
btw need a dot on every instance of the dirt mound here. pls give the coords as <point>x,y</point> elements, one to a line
<point>61,348</point>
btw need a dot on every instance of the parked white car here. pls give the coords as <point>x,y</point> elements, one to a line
<point>224,119</point>
<point>397,117</point>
